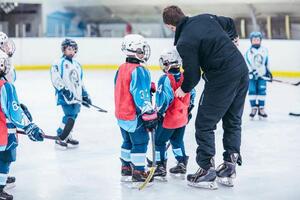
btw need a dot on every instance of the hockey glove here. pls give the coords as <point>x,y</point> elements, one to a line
<point>67,94</point>
<point>86,101</point>
<point>153,87</point>
<point>269,75</point>
<point>34,132</point>
<point>253,74</point>
<point>26,112</point>
<point>150,120</point>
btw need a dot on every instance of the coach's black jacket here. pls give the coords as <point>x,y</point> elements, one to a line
<point>206,41</point>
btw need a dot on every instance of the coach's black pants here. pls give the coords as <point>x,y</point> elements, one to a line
<point>222,101</point>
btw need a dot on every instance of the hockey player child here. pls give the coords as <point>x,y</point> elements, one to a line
<point>257,60</point>
<point>12,116</point>
<point>174,115</point>
<point>66,76</point>
<point>7,49</point>
<point>133,108</point>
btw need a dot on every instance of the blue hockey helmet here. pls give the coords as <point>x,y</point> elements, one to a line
<point>69,43</point>
<point>255,34</point>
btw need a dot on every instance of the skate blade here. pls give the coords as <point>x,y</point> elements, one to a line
<point>206,185</point>
<point>70,146</point>
<point>161,179</point>
<point>226,181</point>
<point>126,179</point>
<point>61,148</point>
<point>262,118</point>
<point>9,186</point>
<point>137,185</point>
<point>178,176</point>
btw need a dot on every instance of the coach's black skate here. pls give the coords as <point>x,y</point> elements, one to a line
<point>4,195</point>
<point>226,171</point>
<point>179,170</point>
<point>161,171</point>
<point>59,144</point>
<point>261,113</point>
<point>203,179</point>
<point>253,112</point>
<point>139,177</point>
<point>10,182</point>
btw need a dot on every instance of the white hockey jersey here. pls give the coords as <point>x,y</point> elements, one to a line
<point>257,59</point>
<point>67,74</point>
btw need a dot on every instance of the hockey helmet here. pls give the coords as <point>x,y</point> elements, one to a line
<point>69,43</point>
<point>256,34</point>
<point>135,45</point>
<point>7,45</point>
<point>170,58</point>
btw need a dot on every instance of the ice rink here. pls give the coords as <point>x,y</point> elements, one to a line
<point>270,149</point>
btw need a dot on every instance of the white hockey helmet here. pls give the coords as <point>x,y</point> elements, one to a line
<point>7,45</point>
<point>135,45</point>
<point>170,58</point>
<point>3,66</point>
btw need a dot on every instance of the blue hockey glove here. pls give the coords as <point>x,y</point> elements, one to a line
<point>253,74</point>
<point>34,132</point>
<point>67,94</point>
<point>26,111</point>
<point>150,120</point>
<point>86,101</point>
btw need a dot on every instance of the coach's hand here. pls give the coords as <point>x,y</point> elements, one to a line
<point>179,92</point>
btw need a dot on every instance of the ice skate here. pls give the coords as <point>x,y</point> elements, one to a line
<point>161,171</point>
<point>226,171</point>
<point>72,143</point>
<point>253,112</point>
<point>126,174</point>
<point>262,114</point>
<point>61,145</point>
<point>139,177</point>
<point>5,196</point>
<point>179,171</point>
<point>10,183</point>
<point>203,179</point>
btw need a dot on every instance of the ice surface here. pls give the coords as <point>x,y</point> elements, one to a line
<point>270,149</point>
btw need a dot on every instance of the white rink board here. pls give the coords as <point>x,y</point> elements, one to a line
<point>283,54</point>
<point>270,150</point>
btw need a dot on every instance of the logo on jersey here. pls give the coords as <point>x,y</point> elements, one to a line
<point>74,78</point>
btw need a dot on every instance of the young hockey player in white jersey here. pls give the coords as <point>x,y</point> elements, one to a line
<point>66,76</point>
<point>7,49</point>
<point>174,115</point>
<point>257,59</point>
<point>12,115</point>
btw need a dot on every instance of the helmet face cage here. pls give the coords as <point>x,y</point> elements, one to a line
<point>9,47</point>
<point>69,43</point>
<point>3,66</point>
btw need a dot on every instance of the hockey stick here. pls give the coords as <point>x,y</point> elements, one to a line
<point>150,161</point>
<point>294,114</point>
<point>153,167</point>
<point>280,81</point>
<point>66,132</point>
<point>98,108</point>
